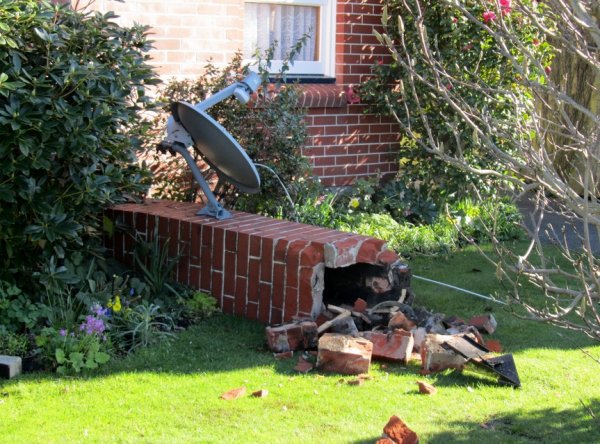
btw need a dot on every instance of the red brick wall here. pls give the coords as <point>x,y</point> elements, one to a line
<point>344,144</point>
<point>258,267</point>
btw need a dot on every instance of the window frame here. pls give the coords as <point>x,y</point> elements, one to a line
<point>325,66</point>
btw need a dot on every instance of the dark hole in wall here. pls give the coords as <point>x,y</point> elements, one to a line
<point>373,283</point>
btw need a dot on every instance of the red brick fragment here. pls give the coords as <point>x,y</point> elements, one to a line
<point>303,366</point>
<point>426,388</point>
<point>344,354</point>
<point>260,393</point>
<point>384,441</point>
<point>234,394</point>
<point>296,336</point>
<point>356,382</point>
<point>435,357</point>
<point>360,305</point>
<point>399,320</point>
<point>484,323</point>
<point>399,432</point>
<point>493,345</point>
<point>394,346</point>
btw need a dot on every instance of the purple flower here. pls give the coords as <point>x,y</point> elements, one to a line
<point>99,311</point>
<point>62,332</point>
<point>92,325</point>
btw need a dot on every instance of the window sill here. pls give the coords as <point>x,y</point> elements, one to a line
<point>313,95</point>
<point>303,79</point>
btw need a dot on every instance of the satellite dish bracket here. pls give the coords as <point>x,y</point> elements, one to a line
<point>213,208</point>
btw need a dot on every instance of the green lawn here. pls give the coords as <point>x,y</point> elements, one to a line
<point>171,393</point>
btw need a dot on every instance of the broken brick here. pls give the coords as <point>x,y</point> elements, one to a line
<point>484,323</point>
<point>303,366</point>
<point>394,346</point>
<point>384,441</point>
<point>358,382</point>
<point>493,345</point>
<point>360,305</point>
<point>295,336</point>
<point>284,355</point>
<point>435,357</point>
<point>344,354</point>
<point>234,394</point>
<point>426,388</point>
<point>260,393</point>
<point>419,335</point>
<point>399,320</point>
<point>399,432</point>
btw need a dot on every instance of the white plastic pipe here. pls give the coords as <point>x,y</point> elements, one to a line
<point>487,298</point>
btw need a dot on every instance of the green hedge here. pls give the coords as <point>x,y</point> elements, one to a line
<point>71,87</point>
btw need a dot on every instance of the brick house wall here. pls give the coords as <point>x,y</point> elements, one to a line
<point>344,143</point>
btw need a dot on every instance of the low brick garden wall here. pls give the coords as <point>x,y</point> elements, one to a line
<point>255,266</point>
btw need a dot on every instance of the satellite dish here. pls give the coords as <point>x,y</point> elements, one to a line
<point>220,150</point>
<point>191,126</point>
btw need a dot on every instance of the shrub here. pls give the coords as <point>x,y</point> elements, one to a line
<point>465,51</point>
<point>71,87</point>
<point>197,306</point>
<point>14,344</point>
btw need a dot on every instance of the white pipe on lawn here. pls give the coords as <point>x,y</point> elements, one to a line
<point>488,298</point>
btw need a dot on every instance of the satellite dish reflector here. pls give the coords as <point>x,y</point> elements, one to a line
<point>220,150</point>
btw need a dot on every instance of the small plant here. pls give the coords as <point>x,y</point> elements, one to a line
<point>17,312</point>
<point>141,326</point>
<point>14,344</point>
<point>198,306</point>
<point>84,347</point>
<point>152,259</point>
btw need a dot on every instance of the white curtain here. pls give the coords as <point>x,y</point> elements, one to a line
<point>266,23</point>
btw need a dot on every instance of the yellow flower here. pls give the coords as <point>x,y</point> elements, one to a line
<point>354,202</point>
<point>117,305</point>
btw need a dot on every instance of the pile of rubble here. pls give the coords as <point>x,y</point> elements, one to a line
<point>346,338</point>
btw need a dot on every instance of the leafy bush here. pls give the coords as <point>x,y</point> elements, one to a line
<point>499,218</point>
<point>17,312</point>
<point>466,221</point>
<point>404,238</point>
<point>198,306</point>
<point>465,51</point>
<point>13,344</point>
<point>71,87</point>
<point>405,202</point>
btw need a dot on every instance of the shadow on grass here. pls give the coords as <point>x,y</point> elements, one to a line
<point>544,425</point>
<point>227,343</point>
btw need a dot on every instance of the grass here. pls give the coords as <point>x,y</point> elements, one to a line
<point>171,393</point>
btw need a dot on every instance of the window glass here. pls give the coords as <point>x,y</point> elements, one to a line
<point>285,22</point>
<point>267,23</point>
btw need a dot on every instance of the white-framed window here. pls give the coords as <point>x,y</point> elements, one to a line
<point>286,21</point>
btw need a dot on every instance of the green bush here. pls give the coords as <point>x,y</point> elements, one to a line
<point>71,87</point>
<point>13,344</point>
<point>466,221</point>
<point>466,52</point>
<point>197,306</point>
